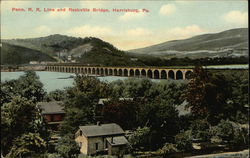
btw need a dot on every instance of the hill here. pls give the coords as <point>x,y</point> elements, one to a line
<point>89,50</point>
<point>13,55</point>
<point>232,43</point>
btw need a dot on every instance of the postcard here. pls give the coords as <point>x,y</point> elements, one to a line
<point>111,78</point>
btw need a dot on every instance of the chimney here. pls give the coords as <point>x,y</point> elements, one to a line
<point>112,140</point>
<point>98,123</point>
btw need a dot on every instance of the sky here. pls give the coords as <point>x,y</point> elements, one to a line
<point>156,21</point>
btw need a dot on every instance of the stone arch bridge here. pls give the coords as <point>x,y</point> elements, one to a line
<point>143,72</point>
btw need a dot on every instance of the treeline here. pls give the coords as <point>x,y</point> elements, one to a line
<point>157,61</point>
<point>216,112</point>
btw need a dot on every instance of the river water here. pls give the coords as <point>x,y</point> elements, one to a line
<point>54,80</point>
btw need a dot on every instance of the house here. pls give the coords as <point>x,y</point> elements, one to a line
<point>101,138</point>
<point>52,112</point>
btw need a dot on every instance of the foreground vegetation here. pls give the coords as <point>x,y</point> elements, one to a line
<point>217,105</point>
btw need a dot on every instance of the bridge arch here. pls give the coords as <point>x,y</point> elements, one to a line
<point>97,71</point>
<point>179,75</point>
<point>106,72</point>
<point>110,72</point>
<point>156,74</point>
<point>150,73</point>
<point>115,72</point>
<point>93,70</point>
<point>131,72</point>
<point>188,74</point>
<point>171,74</point>
<point>102,72</point>
<point>120,72</point>
<point>163,74</point>
<point>125,72</point>
<point>89,70</point>
<point>137,73</point>
<point>143,73</point>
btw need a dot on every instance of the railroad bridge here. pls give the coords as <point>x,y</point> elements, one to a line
<point>144,72</point>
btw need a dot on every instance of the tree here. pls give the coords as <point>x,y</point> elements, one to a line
<point>30,86</point>
<point>18,117</point>
<point>67,146</point>
<point>207,94</point>
<point>162,118</point>
<point>27,85</point>
<point>117,111</point>
<point>80,102</point>
<point>136,87</point>
<point>140,138</point>
<point>56,95</point>
<point>7,91</point>
<point>237,107</point>
<point>28,145</point>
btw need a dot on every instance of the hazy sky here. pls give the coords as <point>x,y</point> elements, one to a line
<point>166,20</point>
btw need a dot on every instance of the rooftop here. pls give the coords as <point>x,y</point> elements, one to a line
<point>53,107</point>
<point>110,129</point>
<point>120,140</point>
<point>103,100</point>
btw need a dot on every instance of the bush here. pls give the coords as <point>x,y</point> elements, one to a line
<point>54,155</point>
<point>168,148</point>
<point>140,137</point>
<point>184,141</point>
<point>67,147</point>
<point>200,130</point>
<point>224,131</point>
<point>27,145</point>
<point>230,133</point>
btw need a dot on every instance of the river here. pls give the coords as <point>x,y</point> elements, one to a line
<point>54,80</point>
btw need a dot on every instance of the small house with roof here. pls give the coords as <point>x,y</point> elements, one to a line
<point>101,138</point>
<point>52,112</point>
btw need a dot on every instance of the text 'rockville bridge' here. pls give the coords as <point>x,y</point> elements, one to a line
<point>154,73</point>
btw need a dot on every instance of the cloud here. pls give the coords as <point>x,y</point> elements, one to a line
<point>236,17</point>
<point>43,29</point>
<point>132,16</point>
<point>167,9</point>
<point>140,32</point>
<point>59,14</point>
<point>89,30</point>
<point>185,32</point>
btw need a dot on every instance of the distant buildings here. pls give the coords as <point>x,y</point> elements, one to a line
<point>101,138</point>
<point>134,59</point>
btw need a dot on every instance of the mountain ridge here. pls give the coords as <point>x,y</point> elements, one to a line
<point>84,50</point>
<point>215,42</point>
<point>91,50</point>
